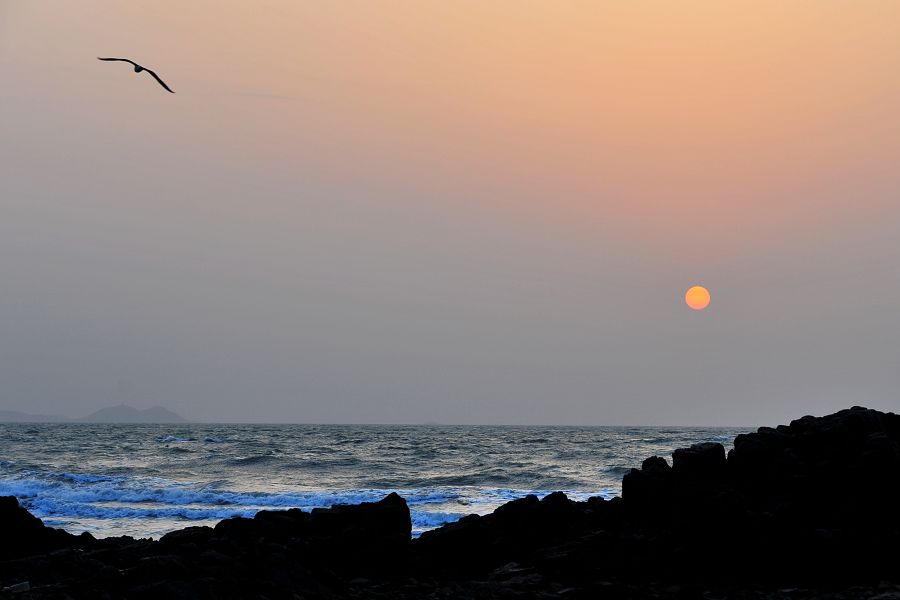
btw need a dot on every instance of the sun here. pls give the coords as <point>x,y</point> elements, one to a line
<point>697,297</point>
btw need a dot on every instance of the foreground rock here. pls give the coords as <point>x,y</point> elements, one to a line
<point>801,511</point>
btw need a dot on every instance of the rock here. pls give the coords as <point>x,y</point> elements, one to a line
<point>700,461</point>
<point>354,538</point>
<point>366,538</point>
<point>195,536</point>
<point>162,568</point>
<point>509,571</point>
<point>650,487</point>
<point>22,534</point>
<point>17,588</point>
<point>386,522</point>
<point>16,521</point>
<point>656,465</point>
<point>480,544</point>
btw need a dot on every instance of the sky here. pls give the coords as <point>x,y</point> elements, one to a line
<point>460,212</point>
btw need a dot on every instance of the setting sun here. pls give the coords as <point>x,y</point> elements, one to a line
<point>697,297</point>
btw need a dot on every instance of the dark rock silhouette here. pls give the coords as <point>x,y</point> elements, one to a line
<point>809,510</point>
<point>700,461</point>
<point>24,534</point>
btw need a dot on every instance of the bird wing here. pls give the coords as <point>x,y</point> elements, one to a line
<point>161,82</point>
<point>121,59</point>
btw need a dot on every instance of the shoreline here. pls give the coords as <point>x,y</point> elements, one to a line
<point>761,521</point>
<point>148,480</point>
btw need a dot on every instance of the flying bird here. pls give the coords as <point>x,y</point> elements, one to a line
<point>138,68</point>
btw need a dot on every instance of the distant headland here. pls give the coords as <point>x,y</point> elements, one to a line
<point>111,414</point>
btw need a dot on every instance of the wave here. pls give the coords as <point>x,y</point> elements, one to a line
<point>328,464</point>
<point>93,489</point>
<point>173,439</point>
<point>259,459</point>
<point>617,469</point>
<point>423,521</point>
<point>49,507</point>
<point>67,498</point>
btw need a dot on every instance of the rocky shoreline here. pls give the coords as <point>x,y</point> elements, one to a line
<point>806,510</point>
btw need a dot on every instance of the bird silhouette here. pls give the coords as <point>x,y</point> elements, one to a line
<point>138,68</point>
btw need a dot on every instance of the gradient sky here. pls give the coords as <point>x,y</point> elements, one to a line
<point>461,212</point>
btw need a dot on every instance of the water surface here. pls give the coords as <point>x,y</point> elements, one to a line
<point>146,480</point>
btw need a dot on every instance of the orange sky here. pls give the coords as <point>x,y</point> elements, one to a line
<point>704,110</point>
<point>736,144</point>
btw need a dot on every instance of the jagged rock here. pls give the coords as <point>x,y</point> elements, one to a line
<point>700,461</point>
<point>386,522</point>
<point>17,588</point>
<point>650,486</point>
<point>22,534</point>
<point>193,536</point>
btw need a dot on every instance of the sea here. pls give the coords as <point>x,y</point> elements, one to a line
<point>147,480</point>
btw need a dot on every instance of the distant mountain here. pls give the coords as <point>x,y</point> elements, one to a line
<point>128,414</point>
<point>14,416</point>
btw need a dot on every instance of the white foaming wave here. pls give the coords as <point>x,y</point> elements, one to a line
<point>72,498</point>
<point>422,521</point>
<point>42,508</point>
<point>87,489</point>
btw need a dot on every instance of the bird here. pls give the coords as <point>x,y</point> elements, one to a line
<point>138,68</point>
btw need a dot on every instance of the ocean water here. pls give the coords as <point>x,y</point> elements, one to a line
<point>146,480</point>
